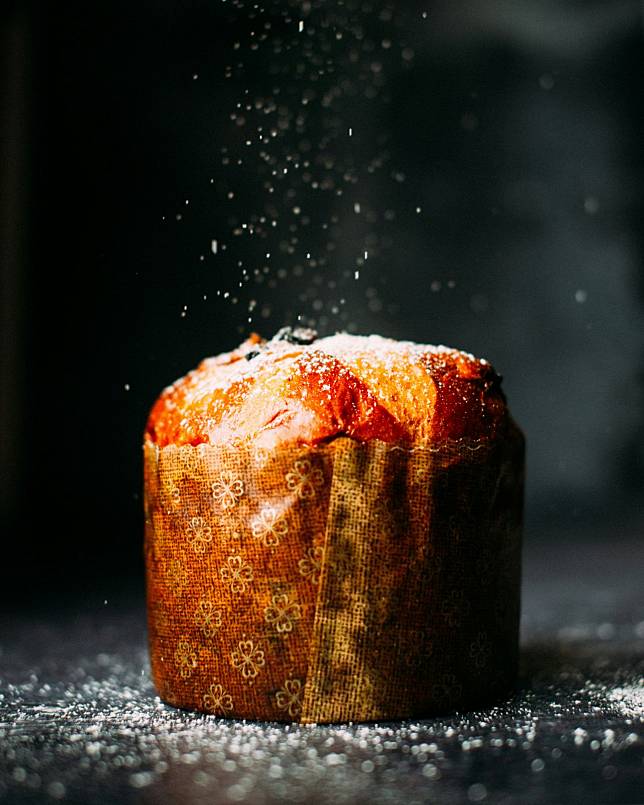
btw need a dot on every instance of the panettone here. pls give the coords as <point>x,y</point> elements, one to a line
<point>333,531</point>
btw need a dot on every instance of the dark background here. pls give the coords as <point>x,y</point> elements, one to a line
<point>517,130</point>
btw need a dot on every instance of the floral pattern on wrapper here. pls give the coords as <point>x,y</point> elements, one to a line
<point>248,659</point>
<point>199,534</point>
<point>185,658</point>
<point>227,489</point>
<point>304,479</point>
<point>282,613</point>
<point>310,565</point>
<point>208,618</point>
<point>289,697</point>
<point>269,526</point>
<point>217,701</point>
<point>236,573</point>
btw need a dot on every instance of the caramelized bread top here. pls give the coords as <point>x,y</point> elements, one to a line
<point>297,388</point>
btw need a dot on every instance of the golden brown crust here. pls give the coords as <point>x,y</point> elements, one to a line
<point>365,387</point>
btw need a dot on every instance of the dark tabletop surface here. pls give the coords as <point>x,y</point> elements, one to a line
<point>80,721</point>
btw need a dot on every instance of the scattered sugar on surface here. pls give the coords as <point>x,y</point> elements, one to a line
<point>89,716</point>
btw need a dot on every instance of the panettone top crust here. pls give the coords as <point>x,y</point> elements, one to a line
<point>297,388</point>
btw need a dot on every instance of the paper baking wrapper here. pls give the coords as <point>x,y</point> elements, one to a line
<point>347,582</point>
